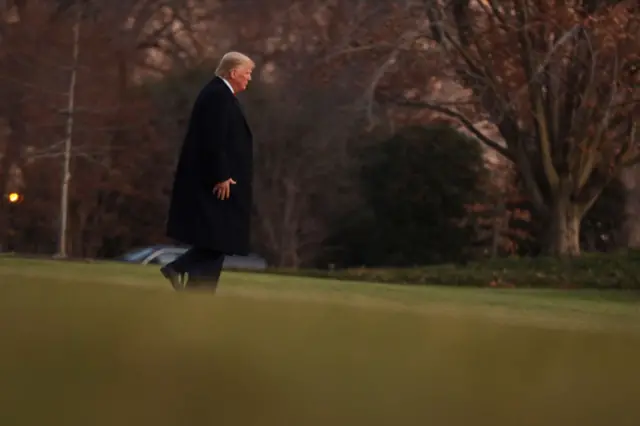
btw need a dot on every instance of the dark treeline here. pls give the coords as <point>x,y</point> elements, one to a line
<point>376,143</point>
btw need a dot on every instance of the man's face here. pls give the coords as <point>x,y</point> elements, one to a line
<point>240,77</point>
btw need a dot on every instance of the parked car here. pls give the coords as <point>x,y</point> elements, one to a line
<point>162,254</point>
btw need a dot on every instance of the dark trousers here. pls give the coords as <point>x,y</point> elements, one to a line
<point>202,266</point>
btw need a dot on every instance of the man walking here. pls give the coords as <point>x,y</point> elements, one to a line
<point>211,200</point>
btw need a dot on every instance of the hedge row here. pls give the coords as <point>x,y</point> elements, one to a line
<point>596,271</point>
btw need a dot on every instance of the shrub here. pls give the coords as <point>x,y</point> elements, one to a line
<point>595,271</point>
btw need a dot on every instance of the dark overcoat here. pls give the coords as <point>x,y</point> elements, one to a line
<point>218,146</point>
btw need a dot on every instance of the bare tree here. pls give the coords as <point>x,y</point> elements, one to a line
<point>303,164</point>
<point>559,80</point>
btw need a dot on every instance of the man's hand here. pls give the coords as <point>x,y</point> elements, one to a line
<point>223,189</point>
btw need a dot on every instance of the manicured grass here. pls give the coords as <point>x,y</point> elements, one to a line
<point>109,344</point>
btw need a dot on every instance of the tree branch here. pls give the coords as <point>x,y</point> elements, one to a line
<point>464,121</point>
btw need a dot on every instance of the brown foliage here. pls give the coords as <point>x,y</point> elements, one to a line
<point>119,164</point>
<point>124,141</point>
<point>559,80</point>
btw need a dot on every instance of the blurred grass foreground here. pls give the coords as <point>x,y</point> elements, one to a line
<point>101,344</point>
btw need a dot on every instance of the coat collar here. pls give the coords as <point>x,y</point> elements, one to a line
<point>228,84</point>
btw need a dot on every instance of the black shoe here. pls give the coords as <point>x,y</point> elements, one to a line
<point>173,276</point>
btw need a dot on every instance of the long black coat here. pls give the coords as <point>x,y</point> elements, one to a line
<point>218,146</point>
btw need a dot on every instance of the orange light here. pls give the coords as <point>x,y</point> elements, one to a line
<point>14,197</point>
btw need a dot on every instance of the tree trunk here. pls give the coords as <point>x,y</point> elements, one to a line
<point>563,231</point>
<point>66,173</point>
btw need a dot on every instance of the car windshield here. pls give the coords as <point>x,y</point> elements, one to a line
<point>137,255</point>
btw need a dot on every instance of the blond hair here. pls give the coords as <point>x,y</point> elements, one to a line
<point>232,60</point>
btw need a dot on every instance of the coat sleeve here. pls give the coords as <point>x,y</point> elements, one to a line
<point>216,139</point>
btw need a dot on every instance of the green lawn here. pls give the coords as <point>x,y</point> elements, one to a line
<point>106,345</point>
